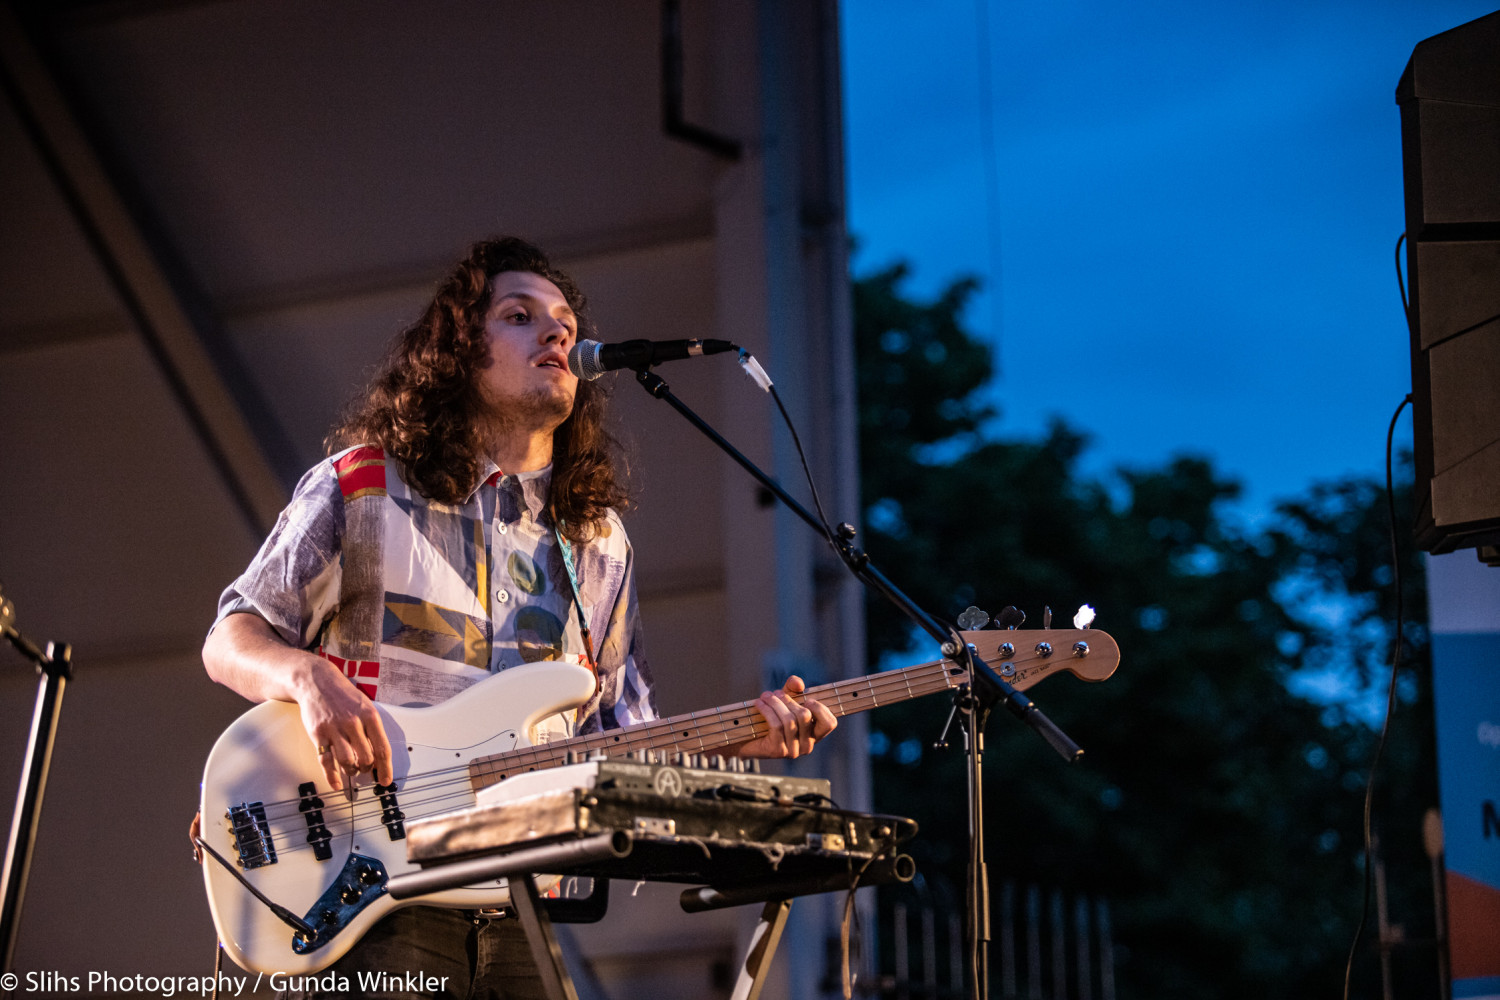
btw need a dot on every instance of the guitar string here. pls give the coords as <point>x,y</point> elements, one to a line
<point>936,677</point>
<point>548,754</point>
<point>459,777</point>
<point>847,701</point>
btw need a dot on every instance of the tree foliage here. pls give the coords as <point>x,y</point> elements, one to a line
<point>1218,810</point>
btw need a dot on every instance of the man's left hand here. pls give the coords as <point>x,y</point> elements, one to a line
<point>795,725</point>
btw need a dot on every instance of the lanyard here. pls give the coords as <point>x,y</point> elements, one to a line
<point>583,624</point>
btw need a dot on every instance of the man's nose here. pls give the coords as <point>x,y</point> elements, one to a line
<point>554,331</point>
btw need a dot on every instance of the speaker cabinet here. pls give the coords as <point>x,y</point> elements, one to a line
<point>1450,144</point>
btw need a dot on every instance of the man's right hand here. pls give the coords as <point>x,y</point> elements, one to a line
<point>245,654</point>
<point>344,727</point>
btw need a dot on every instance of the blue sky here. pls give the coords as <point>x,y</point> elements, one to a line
<point>1198,206</point>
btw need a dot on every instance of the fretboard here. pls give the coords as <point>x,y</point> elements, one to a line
<point>715,729</point>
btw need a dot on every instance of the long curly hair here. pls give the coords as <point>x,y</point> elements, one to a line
<point>424,406</point>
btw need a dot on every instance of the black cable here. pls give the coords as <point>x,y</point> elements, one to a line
<point>797,441</point>
<point>849,926</point>
<point>991,171</point>
<point>1390,702</point>
<point>1401,283</point>
<point>286,916</point>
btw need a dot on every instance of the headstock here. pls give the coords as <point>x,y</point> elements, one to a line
<point>1024,656</point>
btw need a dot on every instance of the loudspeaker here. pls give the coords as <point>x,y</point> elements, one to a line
<point>1450,143</point>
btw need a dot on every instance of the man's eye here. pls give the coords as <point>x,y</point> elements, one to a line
<point>518,317</point>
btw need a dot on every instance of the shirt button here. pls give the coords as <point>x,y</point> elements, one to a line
<point>500,526</point>
<point>502,596</point>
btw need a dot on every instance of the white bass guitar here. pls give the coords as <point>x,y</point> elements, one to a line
<point>327,859</point>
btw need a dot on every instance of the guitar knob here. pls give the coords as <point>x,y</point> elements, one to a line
<point>1007,650</point>
<point>350,894</point>
<point>329,917</point>
<point>1044,649</point>
<point>1080,649</point>
<point>368,874</point>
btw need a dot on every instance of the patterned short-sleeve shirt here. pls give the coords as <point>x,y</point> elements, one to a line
<point>416,600</point>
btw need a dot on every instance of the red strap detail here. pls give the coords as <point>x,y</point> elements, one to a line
<point>361,469</point>
<point>355,669</point>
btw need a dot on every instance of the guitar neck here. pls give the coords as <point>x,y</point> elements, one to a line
<point>715,729</point>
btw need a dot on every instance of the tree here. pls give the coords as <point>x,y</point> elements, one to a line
<point>1218,810</point>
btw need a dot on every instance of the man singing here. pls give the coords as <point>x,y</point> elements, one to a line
<point>466,522</point>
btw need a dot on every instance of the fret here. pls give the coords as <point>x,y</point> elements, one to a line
<point>728,728</point>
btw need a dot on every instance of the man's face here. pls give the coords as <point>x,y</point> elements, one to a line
<point>530,328</point>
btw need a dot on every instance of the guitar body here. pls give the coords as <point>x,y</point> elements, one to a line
<point>265,758</point>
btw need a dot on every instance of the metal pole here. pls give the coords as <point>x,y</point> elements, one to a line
<point>55,668</point>
<point>1383,917</point>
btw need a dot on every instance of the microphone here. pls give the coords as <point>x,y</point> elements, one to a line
<point>589,359</point>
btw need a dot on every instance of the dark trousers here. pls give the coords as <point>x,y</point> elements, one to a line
<point>429,952</point>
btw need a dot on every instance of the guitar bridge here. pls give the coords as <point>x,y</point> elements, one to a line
<point>252,834</point>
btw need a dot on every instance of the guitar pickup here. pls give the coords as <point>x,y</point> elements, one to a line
<point>390,813</point>
<point>311,807</point>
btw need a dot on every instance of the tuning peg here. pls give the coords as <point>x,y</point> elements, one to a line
<point>972,619</point>
<point>1084,618</point>
<point>1046,617</point>
<point>1010,616</point>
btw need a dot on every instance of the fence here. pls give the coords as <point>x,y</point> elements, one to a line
<point>1042,947</point>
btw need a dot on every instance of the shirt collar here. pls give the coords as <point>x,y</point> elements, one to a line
<point>533,487</point>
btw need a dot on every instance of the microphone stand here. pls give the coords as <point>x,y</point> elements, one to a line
<point>56,669</point>
<point>985,689</point>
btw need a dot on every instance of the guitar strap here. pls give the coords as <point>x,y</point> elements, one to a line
<point>356,629</point>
